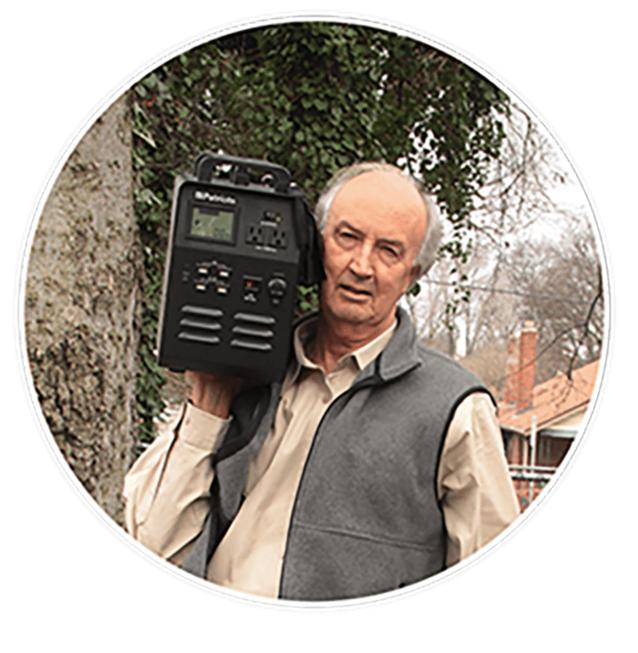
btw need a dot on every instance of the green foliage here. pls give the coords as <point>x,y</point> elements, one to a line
<point>312,97</point>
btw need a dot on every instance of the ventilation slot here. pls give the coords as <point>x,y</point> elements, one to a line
<point>252,331</point>
<point>200,324</point>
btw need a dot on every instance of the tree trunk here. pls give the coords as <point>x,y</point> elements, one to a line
<point>82,298</point>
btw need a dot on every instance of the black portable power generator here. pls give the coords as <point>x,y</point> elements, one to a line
<point>241,238</point>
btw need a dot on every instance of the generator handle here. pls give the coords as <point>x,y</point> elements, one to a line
<point>206,163</point>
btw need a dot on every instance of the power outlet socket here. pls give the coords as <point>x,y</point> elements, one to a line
<point>255,235</point>
<point>278,239</point>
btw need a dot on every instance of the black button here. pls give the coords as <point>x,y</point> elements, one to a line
<point>277,287</point>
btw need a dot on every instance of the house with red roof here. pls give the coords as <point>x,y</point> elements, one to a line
<point>540,422</point>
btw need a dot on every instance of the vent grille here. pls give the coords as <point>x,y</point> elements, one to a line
<point>252,331</point>
<point>200,324</point>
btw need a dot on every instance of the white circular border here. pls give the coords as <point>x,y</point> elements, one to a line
<point>262,23</point>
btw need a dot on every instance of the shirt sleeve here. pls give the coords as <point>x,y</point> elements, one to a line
<point>166,490</point>
<point>474,484</point>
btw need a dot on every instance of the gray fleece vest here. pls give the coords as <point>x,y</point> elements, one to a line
<point>366,518</point>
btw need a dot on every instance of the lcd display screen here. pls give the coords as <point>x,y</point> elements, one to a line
<point>212,223</point>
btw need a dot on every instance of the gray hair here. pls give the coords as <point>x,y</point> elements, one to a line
<point>426,254</point>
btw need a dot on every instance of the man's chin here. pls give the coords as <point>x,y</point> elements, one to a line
<point>351,313</point>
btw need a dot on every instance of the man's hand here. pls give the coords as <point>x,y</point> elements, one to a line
<point>214,392</point>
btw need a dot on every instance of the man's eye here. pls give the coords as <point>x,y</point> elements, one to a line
<point>346,238</point>
<point>389,251</point>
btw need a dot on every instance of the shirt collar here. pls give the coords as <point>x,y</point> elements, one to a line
<point>306,332</point>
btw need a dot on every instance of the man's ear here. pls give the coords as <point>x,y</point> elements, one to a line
<point>414,274</point>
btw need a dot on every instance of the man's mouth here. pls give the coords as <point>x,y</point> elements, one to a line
<point>361,292</point>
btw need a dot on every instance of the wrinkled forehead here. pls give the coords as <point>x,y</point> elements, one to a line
<point>380,193</point>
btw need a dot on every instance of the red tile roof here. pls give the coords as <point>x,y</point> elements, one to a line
<point>552,400</point>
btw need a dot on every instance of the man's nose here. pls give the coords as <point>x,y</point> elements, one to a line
<point>361,263</point>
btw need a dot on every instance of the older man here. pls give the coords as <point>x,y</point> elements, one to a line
<point>376,463</point>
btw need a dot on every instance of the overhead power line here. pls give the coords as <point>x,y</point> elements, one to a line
<point>506,291</point>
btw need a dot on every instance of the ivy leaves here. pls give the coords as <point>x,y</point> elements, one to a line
<point>313,97</point>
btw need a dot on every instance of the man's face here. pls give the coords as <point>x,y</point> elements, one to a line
<point>376,224</point>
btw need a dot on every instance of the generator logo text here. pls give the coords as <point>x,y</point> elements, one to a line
<point>214,197</point>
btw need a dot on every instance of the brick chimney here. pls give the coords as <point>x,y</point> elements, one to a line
<point>527,368</point>
<point>521,367</point>
<point>511,378</point>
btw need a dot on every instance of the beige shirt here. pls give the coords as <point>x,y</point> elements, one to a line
<point>166,491</point>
